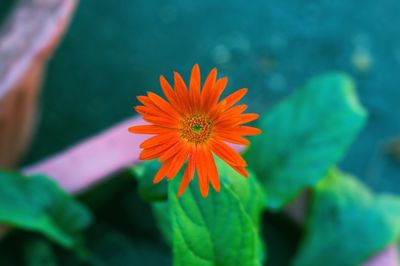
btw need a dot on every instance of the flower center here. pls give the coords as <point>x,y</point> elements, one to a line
<point>196,128</point>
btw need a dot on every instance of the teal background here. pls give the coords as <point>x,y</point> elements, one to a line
<point>116,50</point>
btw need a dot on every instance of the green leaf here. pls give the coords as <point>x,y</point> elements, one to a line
<point>37,204</point>
<point>304,136</point>
<point>346,220</point>
<point>222,229</point>
<point>250,195</point>
<point>38,252</point>
<point>144,174</point>
<point>248,190</point>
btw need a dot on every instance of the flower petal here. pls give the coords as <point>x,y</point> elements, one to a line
<point>171,151</point>
<point>216,92</point>
<point>163,105</point>
<point>158,140</point>
<point>232,114</point>
<point>234,97</point>
<point>213,171</point>
<point>148,129</point>
<point>176,163</point>
<point>232,138</point>
<point>208,85</point>
<point>227,154</point>
<point>157,151</point>
<point>162,121</point>
<point>144,100</point>
<point>248,131</point>
<point>241,170</point>
<point>181,92</point>
<point>168,91</point>
<point>189,172</point>
<point>194,86</point>
<point>201,166</point>
<point>162,172</point>
<point>246,118</point>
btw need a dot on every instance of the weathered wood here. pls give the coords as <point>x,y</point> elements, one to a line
<point>27,39</point>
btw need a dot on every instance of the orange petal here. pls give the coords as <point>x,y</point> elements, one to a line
<point>240,170</point>
<point>227,154</point>
<point>212,171</point>
<point>189,173</point>
<point>151,109</point>
<point>234,97</point>
<point>158,140</point>
<point>168,91</point>
<point>162,172</point>
<point>246,118</point>
<point>195,87</point>
<point>181,92</point>
<point>162,121</point>
<point>231,116</point>
<point>248,131</point>
<point>144,100</point>
<point>216,93</point>
<point>176,163</point>
<point>233,120</point>
<point>227,124</point>
<point>236,110</point>
<point>171,151</point>
<point>217,109</point>
<point>208,85</point>
<point>144,110</point>
<point>201,166</point>
<point>148,129</point>
<point>232,138</point>
<point>157,151</point>
<point>163,105</point>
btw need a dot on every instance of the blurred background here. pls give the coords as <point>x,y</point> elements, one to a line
<point>116,50</point>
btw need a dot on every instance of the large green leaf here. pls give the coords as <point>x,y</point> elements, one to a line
<point>222,229</point>
<point>304,136</point>
<point>38,204</point>
<point>346,220</point>
<point>248,190</point>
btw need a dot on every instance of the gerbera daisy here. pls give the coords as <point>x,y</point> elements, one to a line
<point>192,125</point>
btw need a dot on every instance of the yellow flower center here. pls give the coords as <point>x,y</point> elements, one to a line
<point>196,128</point>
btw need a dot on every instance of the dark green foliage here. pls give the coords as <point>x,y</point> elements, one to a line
<point>37,204</point>
<point>38,252</point>
<point>145,173</point>
<point>346,220</point>
<point>304,136</point>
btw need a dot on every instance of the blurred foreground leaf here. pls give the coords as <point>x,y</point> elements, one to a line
<point>161,211</point>
<point>222,229</point>
<point>304,136</point>
<point>38,252</point>
<point>347,224</point>
<point>37,204</point>
<point>144,173</point>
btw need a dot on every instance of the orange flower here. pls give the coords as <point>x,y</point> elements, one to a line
<point>192,126</point>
